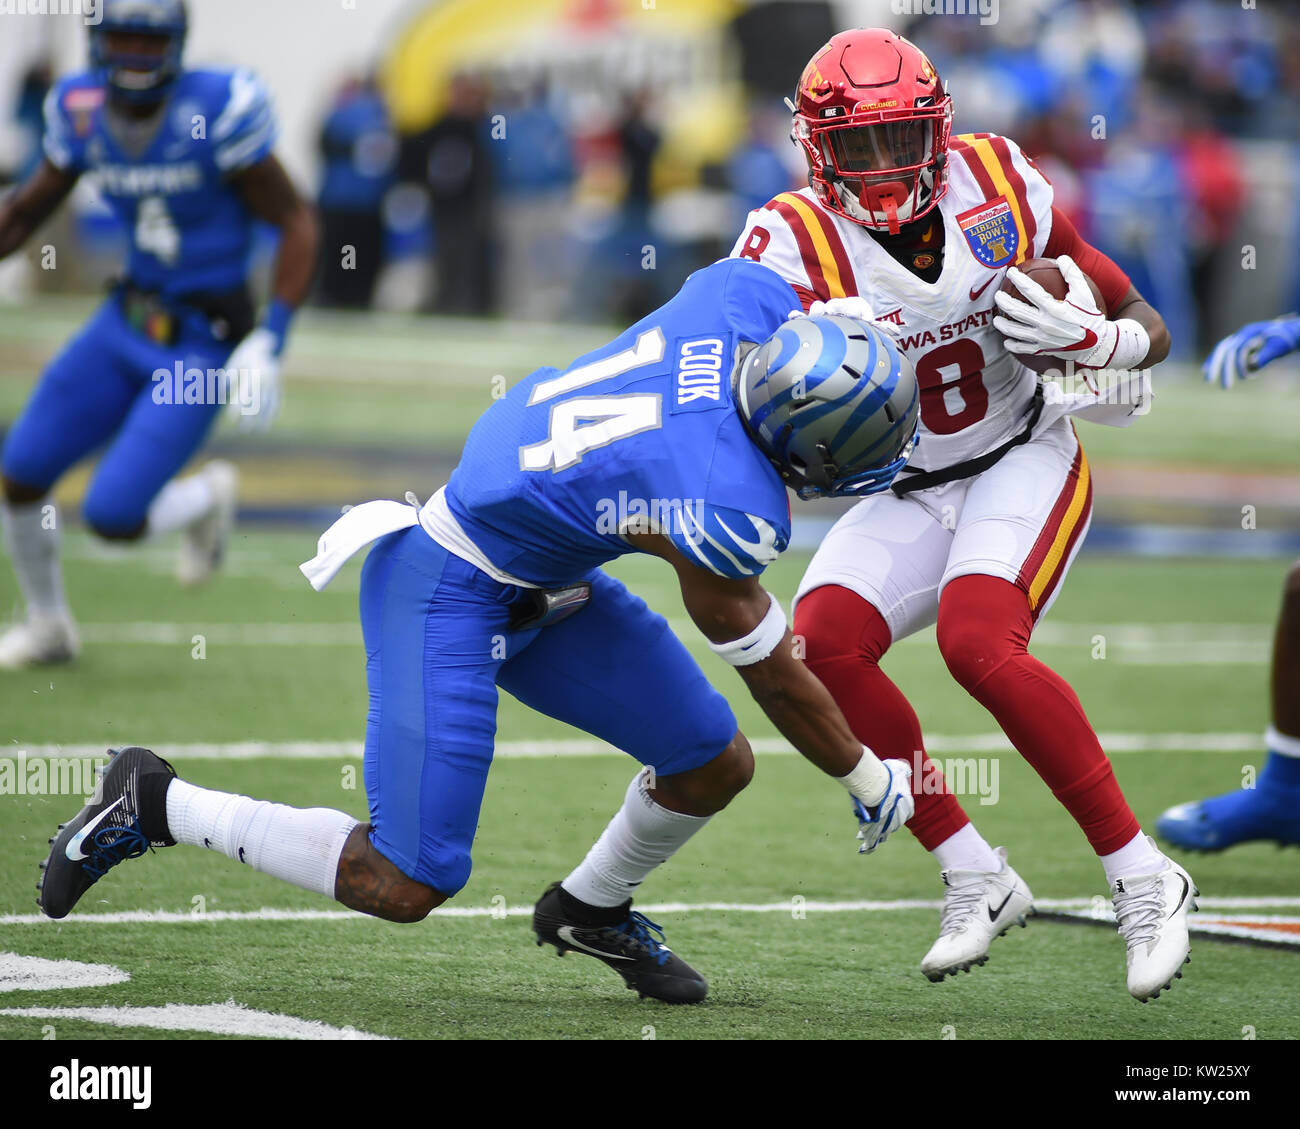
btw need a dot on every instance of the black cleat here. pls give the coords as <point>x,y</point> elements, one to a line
<point>633,947</point>
<point>112,827</point>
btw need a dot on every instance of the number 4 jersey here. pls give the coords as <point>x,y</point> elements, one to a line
<point>996,213</point>
<point>641,435</point>
<point>167,181</point>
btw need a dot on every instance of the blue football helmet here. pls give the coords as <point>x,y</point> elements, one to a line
<point>136,77</point>
<point>832,403</point>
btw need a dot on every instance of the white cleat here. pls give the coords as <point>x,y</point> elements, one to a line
<point>978,906</point>
<point>205,540</point>
<point>39,641</point>
<point>1152,913</point>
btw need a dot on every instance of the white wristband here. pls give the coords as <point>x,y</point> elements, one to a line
<point>759,643</point>
<point>869,781</point>
<point>1132,347</point>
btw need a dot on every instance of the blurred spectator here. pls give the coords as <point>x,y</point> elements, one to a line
<point>359,154</point>
<point>1141,216</point>
<point>535,171</point>
<point>451,159</point>
<point>759,170</point>
<point>621,277</point>
<point>1211,173</point>
<point>30,117</point>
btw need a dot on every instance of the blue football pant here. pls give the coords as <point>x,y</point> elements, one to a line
<point>100,390</point>
<point>438,644</point>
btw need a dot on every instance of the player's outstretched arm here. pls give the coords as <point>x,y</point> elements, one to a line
<point>268,193</point>
<point>32,203</point>
<point>1253,346</point>
<point>739,618</point>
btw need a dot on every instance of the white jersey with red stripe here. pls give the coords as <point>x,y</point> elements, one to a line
<point>997,213</point>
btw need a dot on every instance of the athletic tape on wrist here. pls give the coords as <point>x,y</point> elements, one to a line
<point>759,643</point>
<point>1132,345</point>
<point>869,780</point>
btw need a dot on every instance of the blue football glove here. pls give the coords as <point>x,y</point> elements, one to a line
<point>891,813</point>
<point>1253,346</point>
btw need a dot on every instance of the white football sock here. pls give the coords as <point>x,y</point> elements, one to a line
<point>1136,857</point>
<point>32,538</point>
<point>641,835</point>
<point>966,850</point>
<point>181,503</point>
<point>1278,742</point>
<point>298,845</point>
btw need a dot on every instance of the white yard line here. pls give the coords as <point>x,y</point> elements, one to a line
<point>175,917</point>
<point>1234,743</point>
<point>24,973</point>
<point>229,1018</point>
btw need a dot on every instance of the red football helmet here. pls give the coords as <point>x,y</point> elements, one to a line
<point>873,118</point>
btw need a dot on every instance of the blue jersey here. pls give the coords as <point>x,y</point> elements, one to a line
<point>189,230</point>
<point>642,435</point>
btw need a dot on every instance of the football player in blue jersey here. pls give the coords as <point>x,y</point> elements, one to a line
<point>1271,809</point>
<point>184,160</point>
<point>677,439</point>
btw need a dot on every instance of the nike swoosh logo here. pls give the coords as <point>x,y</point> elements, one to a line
<point>1180,900</point>
<point>566,935</point>
<point>73,849</point>
<point>993,913</point>
<point>975,293</point>
<point>1089,340</point>
<point>761,550</point>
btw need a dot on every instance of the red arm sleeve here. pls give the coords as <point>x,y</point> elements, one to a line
<point>1065,240</point>
<point>806,296</point>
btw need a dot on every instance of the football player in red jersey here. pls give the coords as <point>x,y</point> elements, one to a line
<point>919,228</point>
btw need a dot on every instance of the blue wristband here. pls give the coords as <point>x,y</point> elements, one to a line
<point>278,316</point>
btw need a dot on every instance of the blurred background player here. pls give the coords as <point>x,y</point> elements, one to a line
<point>1271,809</point>
<point>984,523</point>
<point>184,160</point>
<point>703,413</point>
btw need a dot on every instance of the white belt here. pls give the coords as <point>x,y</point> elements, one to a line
<point>440,523</point>
<point>353,532</point>
<point>371,520</point>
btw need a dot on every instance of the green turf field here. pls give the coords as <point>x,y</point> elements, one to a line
<point>799,936</point>
<point>284,664</point>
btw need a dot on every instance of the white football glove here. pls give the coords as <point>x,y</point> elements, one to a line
<point>891,813</point>
<point>1071,328</point>
<point>253,381</point>
<point>854,307</point>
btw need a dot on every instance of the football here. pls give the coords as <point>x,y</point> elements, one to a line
<point>1048,275</point>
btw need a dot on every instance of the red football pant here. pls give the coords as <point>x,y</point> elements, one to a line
<point>983,632</point>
